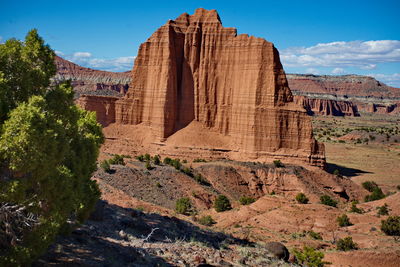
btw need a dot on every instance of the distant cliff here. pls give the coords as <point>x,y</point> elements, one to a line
<point>337,95</point>
<point>93,82</point>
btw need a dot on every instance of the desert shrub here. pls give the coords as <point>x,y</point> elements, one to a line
<point>342,141</point>
<point>302,198</point>
<point>278,164</point>
<point>343,220</point>
<point>246,200</point>
<point>167,161</point>
<point>105,165</point>
<point>183,206</point>
<point>147,157</point>
<point>48,150</point>
<point>148,166</point>
<point>315,235</point>
<point>391,226</point>
<point>117,160</point>
<point>156,160</point>
<point>187,171</point>
<point>310,257</point>
<point>176,163</point>
<point>206,220</point>
<point>336,172</point>
<point>199,160</point>
<point>184,161</point>
<point>222,203</point>
<point>383,210</point>
<point>201,180</point>
<point>140,158</point>
<point>327,200</point>
<point>346,244</point>
<point>158,185</point>
<point>355,209</point>
<point>370,185</point>
<point>376,195</point>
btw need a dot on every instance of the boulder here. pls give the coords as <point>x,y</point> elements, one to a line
<point>278,250</point>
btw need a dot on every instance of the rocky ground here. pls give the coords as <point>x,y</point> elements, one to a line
<point>141,200</point>
<point>128,237</point>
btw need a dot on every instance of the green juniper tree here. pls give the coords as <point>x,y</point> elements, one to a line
<point>48,151</point>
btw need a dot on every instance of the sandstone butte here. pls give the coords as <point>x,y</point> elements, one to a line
<point>195,81</point>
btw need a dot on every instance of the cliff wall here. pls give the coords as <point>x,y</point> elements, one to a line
<point>193,69</point>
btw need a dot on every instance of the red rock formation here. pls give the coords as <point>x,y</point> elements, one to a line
<point>104,106</point>
<point>344,85</point>
<point>318,106</point>
<point>193,69</point>
<point>346,92</point>
<point>89,81</point>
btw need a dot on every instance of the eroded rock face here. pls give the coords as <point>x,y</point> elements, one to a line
<point>89,81</point>
<point>344,93</point>
<point>194,69</point>
<point>318,106</point>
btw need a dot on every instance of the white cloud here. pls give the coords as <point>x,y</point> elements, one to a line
<point>82,55</point>
<point>115,64</point>
<point>59,53</point>
<point>312,71</point>
<point>389,79</point>
<point>338,71</point>
<point>364,55</point>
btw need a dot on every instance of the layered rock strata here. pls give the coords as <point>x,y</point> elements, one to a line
<point>327,107</point>
<point>193,69</point>
<point>363,92</point>
<point>90,81</point>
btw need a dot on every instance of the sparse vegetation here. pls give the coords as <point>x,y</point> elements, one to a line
<point>343,220</point>
<point>199,160</point>
<point>346,244</point>
<point>187,171</point>
<point>376,195</point>
<point>310,257</point>
<point>302,198</point>
<point>147,157</point>
<point>222,203</point>
<point>315,235</point>
<point>206,220</point>
<point>369,185</point>
<point>183,206</point>
<point>167,161</point>
<point>117,160</point>
<point>105,165</point>
<point>201,180</point>
<point>278,164</point>
<point>336,172</point>
<point>156,160</point>
<point>140,158</point>
<point>383,210</point>
<point>246,200</point>
<point>391,226</point>
<point>148,166</point>
<point>327,200</point>
<point>355,209</point>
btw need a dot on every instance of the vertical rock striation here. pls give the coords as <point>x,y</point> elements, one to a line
<point>194,69</point>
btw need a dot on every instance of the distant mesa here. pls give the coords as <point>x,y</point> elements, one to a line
<point>194,72</point>
<point>344,95</point>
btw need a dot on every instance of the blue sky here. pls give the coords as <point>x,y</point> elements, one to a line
<point>320,37</point>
